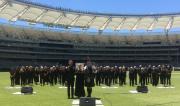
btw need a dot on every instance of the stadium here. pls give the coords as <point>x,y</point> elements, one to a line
<point>131,41</point>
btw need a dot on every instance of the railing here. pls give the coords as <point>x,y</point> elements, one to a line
<point>80,58</point>
<point>87,49</point>
<point>50,53</point>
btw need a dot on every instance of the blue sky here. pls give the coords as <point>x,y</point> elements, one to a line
<point>112,6</point>
<point>118,6</point>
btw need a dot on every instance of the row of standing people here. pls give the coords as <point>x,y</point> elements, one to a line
<point>143,75</point>
<point>63,75</point>
<point>107,75</point>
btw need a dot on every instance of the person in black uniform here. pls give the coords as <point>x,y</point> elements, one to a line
<point>98,76</point>
<point>22,76</point>
<point>12,76</point>
<point>131,76</point>
<point>41,74</point>
<point>17,76</point>
<point>115,79</point>
<point>109,76</point>
<point>106,73</point>
<point>63,75</point>
<point>155,76</point>
<point>169,71</point>
<point>163,75</point>
<point>36,75</point>
<point>120,76</point>
<point>89,77</point>
<point>135,74</point>
<point>45,75</point>
<point>51,76</point>
<point>30,80</point>
<point>142,76</point>
<point>124,70</point>
<point>103,75</point>
<point>149,74</point>
<point>79,84</point>
<point>70,73</point>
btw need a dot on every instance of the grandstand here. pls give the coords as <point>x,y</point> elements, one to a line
<point>20,45</point>
<point>54,56</point>
<point>31,46</point>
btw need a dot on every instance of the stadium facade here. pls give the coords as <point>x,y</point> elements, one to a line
<point>29,46</point>
<point>26,46</point>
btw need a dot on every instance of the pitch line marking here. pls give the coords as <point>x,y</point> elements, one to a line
<point>161,87</point>
<point>109,87</point>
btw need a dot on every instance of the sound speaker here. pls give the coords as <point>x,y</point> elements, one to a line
<point>142,89</point>
<point>85,101</point>
<point>27,90</point>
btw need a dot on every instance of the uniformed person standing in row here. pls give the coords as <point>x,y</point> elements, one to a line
<point>131,76</point>
<point>120,76</point>
<point>98,76</point>
<point>124,71</point>
<point>36,75</point>
<point>12,76</point>
<point>169,71</point>
<point>154,76</point>
<point>70,77</point>
<point>135,74</point>
<point>142,76</point>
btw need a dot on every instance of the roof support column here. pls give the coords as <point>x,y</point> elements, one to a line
<point>3,6</point>
<point>75,20</point>
<point>90,22</point>
<point>41,15</point>
<point>170,23</point>
<point>106,24</point>
<point>136,24</point>
<point>152,24</point>
<point>120,25</point>
<point>19,14</point>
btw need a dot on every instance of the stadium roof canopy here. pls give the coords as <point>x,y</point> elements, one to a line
<point>14,10</point>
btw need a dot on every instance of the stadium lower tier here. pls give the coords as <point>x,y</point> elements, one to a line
<point>14,52</point>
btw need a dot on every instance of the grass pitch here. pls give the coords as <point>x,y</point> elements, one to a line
<point>54,96</point>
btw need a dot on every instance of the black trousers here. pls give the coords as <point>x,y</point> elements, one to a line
<point>70,89</point>
<point>89,91</point>
<point>12,81</point>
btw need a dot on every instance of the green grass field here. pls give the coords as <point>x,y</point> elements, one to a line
<point>54,96</point>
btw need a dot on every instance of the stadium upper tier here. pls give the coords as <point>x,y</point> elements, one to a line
<point>31,33</point>
<point>14,10</point>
